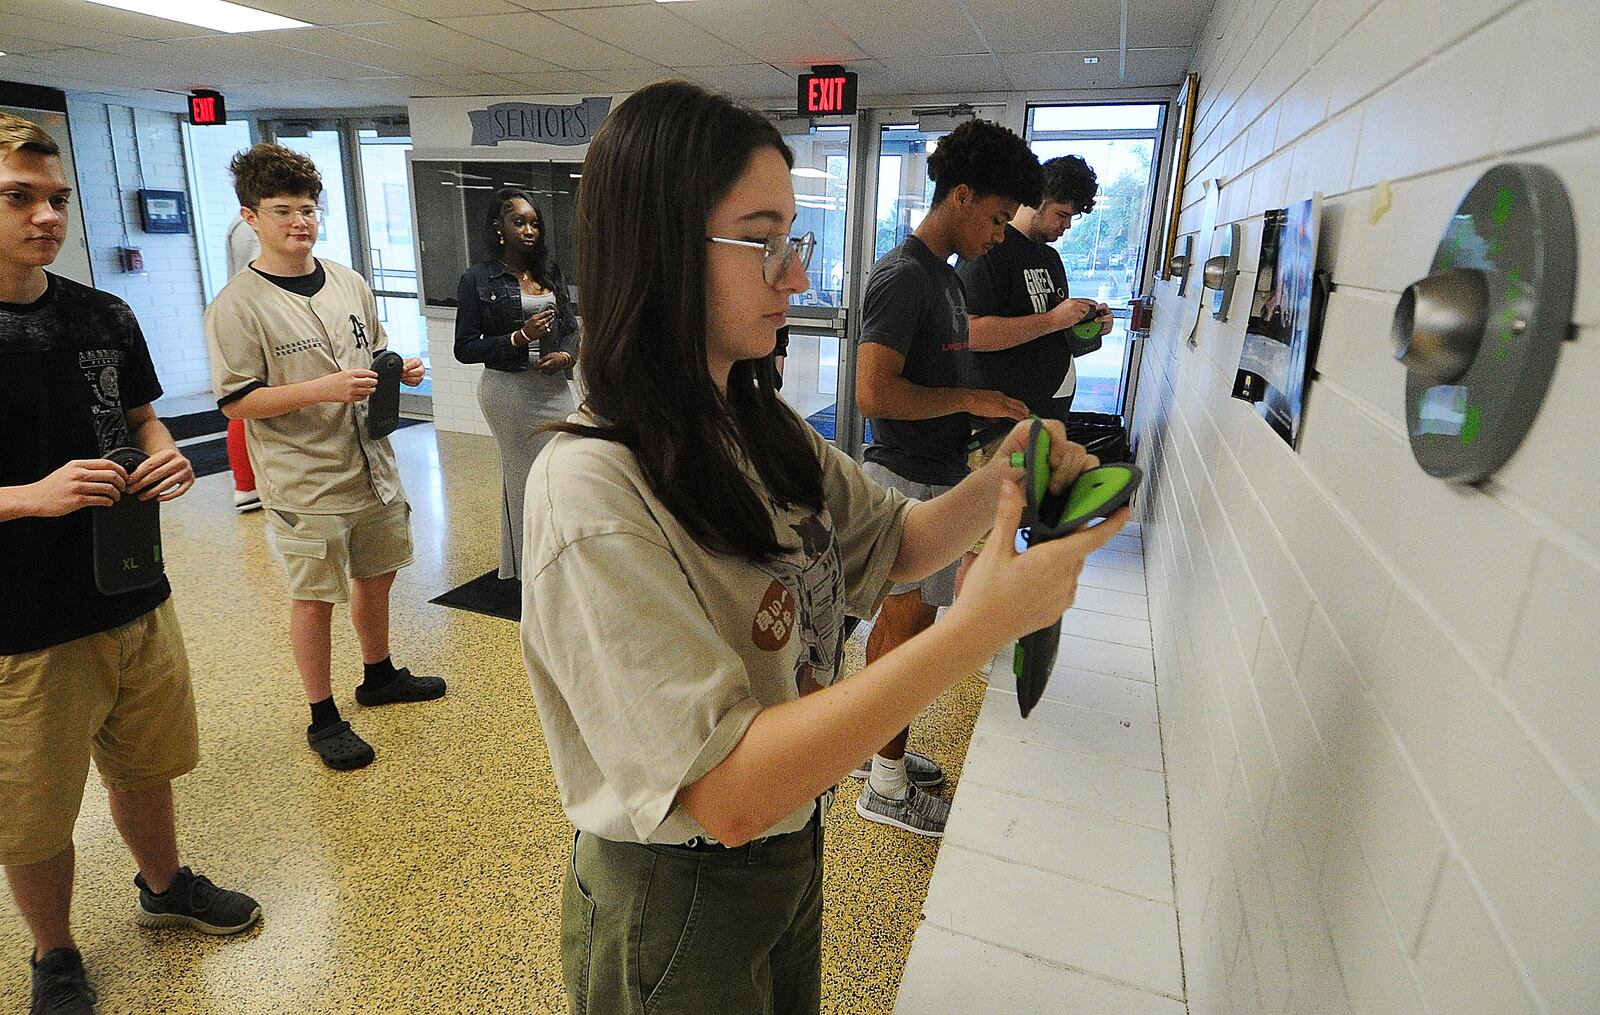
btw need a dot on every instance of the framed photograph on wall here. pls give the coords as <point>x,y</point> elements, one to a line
<point>1188,98</point>
<point>1280,343</point>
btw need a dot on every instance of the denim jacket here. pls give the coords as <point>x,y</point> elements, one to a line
<point>489,309</point>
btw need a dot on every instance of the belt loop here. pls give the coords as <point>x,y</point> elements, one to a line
<point>752,854</point>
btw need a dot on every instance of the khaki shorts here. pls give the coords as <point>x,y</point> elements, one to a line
<point>939,588</point>
<point>121,697</point>
<point>321,553</point>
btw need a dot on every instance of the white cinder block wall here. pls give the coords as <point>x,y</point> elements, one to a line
<point>1380,693</point>
<point>166,298</point>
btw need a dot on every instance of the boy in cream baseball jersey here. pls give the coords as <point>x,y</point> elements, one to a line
<point>292,340</point>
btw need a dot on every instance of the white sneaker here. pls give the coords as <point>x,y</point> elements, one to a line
<point>921,770</point>
<point>918,812</point>
<point>246,500</point>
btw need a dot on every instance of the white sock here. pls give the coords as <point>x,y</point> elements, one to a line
<point>888,778</point>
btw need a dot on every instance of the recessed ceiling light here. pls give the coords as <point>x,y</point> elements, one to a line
<point>217,15</point>
<point>577,176</point>
<point>1091,59</point>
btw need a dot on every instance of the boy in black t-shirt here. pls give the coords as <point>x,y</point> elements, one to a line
<point>1017,298</point>
<point>910,382</point>
<point>85,674</point>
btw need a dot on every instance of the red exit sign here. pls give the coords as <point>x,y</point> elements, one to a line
<point>827,91</point>
<point>206,109</point>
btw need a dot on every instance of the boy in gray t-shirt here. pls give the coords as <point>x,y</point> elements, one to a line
<point>910,373</point>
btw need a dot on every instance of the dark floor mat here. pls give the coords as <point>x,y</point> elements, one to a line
<point>211,457</point>
<point>196,424</point>
<point>487,594</point>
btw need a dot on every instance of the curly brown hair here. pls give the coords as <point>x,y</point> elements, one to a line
<point>268,170</point>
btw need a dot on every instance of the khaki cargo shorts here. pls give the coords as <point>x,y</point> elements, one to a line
<point>321,553</point>
<point>122,697</point>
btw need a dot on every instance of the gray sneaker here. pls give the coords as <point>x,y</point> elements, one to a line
<point>193,901</point>
<point>918,812</point>
<point>921,770</point>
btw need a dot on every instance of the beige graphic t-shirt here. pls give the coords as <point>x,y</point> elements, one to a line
<point>317,460</point>
<point>649,656</point>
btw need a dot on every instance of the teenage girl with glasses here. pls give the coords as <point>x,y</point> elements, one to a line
<point>692,551</point>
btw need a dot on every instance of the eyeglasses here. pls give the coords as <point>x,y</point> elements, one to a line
<point>280,214</point>
<point>776,251</point>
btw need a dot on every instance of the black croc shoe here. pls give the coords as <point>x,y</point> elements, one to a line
<point>340,747</point>
<point>403,686</point>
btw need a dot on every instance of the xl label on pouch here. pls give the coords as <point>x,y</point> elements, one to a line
<point>538,122</point>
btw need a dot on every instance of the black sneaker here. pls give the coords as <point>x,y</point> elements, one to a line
<point>193,901</point>
<point>60,986</point>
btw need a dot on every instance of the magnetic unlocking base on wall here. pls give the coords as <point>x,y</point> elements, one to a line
<point>1481,333</point>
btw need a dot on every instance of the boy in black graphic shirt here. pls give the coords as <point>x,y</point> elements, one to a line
<point>84,674</point>
<point>1017,298</point>
<point>910,381</point>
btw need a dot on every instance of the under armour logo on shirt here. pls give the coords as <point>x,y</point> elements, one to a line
<point>358,331</point>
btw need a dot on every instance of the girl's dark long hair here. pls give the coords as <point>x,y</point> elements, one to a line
<point>657,167</point>
<point>495,244</point>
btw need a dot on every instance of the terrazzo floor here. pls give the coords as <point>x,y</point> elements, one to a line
<point>430,881</point>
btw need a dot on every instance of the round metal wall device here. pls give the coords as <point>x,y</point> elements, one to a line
<point>1178,267</point>
<point>1480,335</point>
<point>1222,270</point>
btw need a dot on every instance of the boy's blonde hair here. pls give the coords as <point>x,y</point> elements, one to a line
<point>17,134</point>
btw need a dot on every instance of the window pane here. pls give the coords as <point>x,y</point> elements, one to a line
<point>1122,117</point>
<point>393,251</point>
<point>1100,373</point>
<point>821,175</point>
<point>1101,250</point>
<point>322,148</point>
<point>904,190</point>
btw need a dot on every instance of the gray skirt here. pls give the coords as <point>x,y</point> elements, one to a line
<point>516,405</point>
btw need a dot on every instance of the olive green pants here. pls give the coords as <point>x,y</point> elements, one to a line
<point>663,930</point>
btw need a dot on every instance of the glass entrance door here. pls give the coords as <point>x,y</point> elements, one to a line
<point>1103,251</point>
<point>391,248</point>
<point>821,177</point>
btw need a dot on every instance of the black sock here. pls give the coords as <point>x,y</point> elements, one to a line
<point>324,713</point>
<point>379,673</point>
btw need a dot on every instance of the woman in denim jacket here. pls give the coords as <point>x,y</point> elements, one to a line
<point>513,315</point>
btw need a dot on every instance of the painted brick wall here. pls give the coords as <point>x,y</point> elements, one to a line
<point>166,297</point>
<point>1380,693</point>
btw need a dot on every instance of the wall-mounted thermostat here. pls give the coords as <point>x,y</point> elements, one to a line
<point>164,211</point>
<point>1480,335</point>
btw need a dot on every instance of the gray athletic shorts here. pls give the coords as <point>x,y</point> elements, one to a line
<point>939,588</point>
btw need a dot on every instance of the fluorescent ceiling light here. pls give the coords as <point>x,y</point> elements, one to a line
<point>809,173</point>
<point>218,15</point>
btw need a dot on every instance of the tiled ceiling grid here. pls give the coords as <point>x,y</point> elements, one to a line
<point>366,53</point>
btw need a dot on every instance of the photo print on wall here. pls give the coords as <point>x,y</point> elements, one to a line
<point>1280,342</point>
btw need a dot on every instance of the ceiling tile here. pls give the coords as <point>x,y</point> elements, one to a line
<point>1089,24</point>
<point>652,32</point>
<point>1146,68</point>
<point>322,12</point>
<point>472,84</point>
<point>903,28</point>
<point>451,8</point>
<point>746,81</point>
<point>342,46</point>
<point>562,82</point>
<point>17,44</point>
<point>100,19</point>
<point>467,49</point>
<point>944,74</point>
<point>783,32</point>
<point>556,44</point>
<point>631,79</point>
